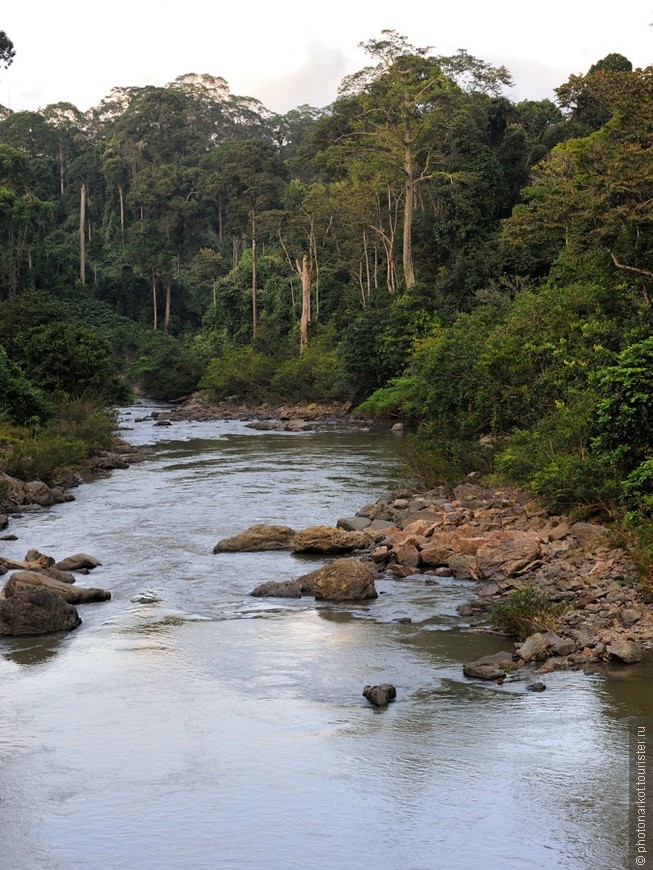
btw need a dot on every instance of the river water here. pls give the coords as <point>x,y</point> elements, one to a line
<point>188,725</point>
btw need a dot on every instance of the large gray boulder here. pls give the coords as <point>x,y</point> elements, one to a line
<point>36,611</point>
<point>326,539</point>
<point>342,580</point>
<point>24,581</point>
<point>257,538</point>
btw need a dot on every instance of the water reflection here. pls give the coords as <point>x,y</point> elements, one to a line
<point>186,724</point>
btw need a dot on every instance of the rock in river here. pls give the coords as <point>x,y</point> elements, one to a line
<point>381,695</point>
<point>342,580</point>
<point>36,611</point>
<point>257,538</point>
<point>23,581</point>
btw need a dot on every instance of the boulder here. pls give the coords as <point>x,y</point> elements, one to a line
<point>381,695</point>
<point>508,554</point>
<point>278,589</point>
<point>353,524</point>
<point>257,538</point>
<point>624,650</point>
<point>4,521</point>
<point>492,667</point>
<point>462,566</point>
<point>342,580</point>
<point>534,647</point>
<point>77,562</point>
<point>326,539</point>
<point>590,535</point>
<point>37,492</point>
<point>24,581</point>
<point>36,611</point>
<point>536,687</point>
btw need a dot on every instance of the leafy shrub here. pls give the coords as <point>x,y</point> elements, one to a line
<point>20,401</point>
<point>525,611</point>
<point>313,376</point>
<point>442,462</point>
<point>240,373</point>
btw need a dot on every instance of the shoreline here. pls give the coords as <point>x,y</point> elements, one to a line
<point>497,536</point>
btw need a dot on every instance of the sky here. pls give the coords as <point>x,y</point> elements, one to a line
<point>287,53</point>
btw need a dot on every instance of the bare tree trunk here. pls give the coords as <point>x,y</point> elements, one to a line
<point>304,272</point>
<point>409,200</point>
<point>367,265</point>
<point>155,318</point>
<point>234,252</point>
<point>166,316</point>
<point>121,197</point>
<point>254,300</point>
<point>61,169</point>
<point>82,236</point>
<point>220,223</point>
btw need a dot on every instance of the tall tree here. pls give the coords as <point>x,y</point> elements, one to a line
<point>7,50</point>
<point>401,107</point>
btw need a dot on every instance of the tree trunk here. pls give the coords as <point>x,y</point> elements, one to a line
<point>254,301</point>
<point>155,320</point>
<point>82,234</point>
<point>121,197</point>
<point>61,169</point>
<point>166,316</point>
<point>304,271</point>
<point>409,193</point>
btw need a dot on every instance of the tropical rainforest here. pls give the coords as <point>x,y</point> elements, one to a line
<point>424,248</point>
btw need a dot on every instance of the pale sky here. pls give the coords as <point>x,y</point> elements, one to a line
<point>286,53</point>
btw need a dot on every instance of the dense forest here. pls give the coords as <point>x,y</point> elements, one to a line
<point>424,247</point>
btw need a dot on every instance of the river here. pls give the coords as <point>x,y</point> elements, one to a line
<point>188,725</point>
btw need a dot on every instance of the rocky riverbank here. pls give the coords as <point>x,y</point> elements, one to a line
<point>302,416</point>
<point>503,541</point>
<point>18,497</point>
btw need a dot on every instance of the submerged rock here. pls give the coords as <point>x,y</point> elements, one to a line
<point>36,611</point>
<point>381,695</point>
<point>492,667</point>
<point>77,562</point>
<point>278,589</point>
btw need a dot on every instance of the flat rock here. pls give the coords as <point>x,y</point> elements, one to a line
<point>79,560</point>
<point>24,581</point>
<point>257,538</point>
<point>327,539</point>
<point>353,524</point>
<point>278,589</point>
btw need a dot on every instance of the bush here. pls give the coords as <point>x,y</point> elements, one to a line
<point>313,376</point>
<point>240,373</point>
<point>442,462</point>
<point>79,431</point>
<point>525,611</point>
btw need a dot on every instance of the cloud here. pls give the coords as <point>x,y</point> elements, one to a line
<point>314,82</point>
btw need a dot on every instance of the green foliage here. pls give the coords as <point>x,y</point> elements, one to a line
<point>525,611</point>
<point>313,376</point>
<point>20,401</point>
<point>78,431</point>
<point>168,368</point>
<point>431,461</point>
<point>240,373</point>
